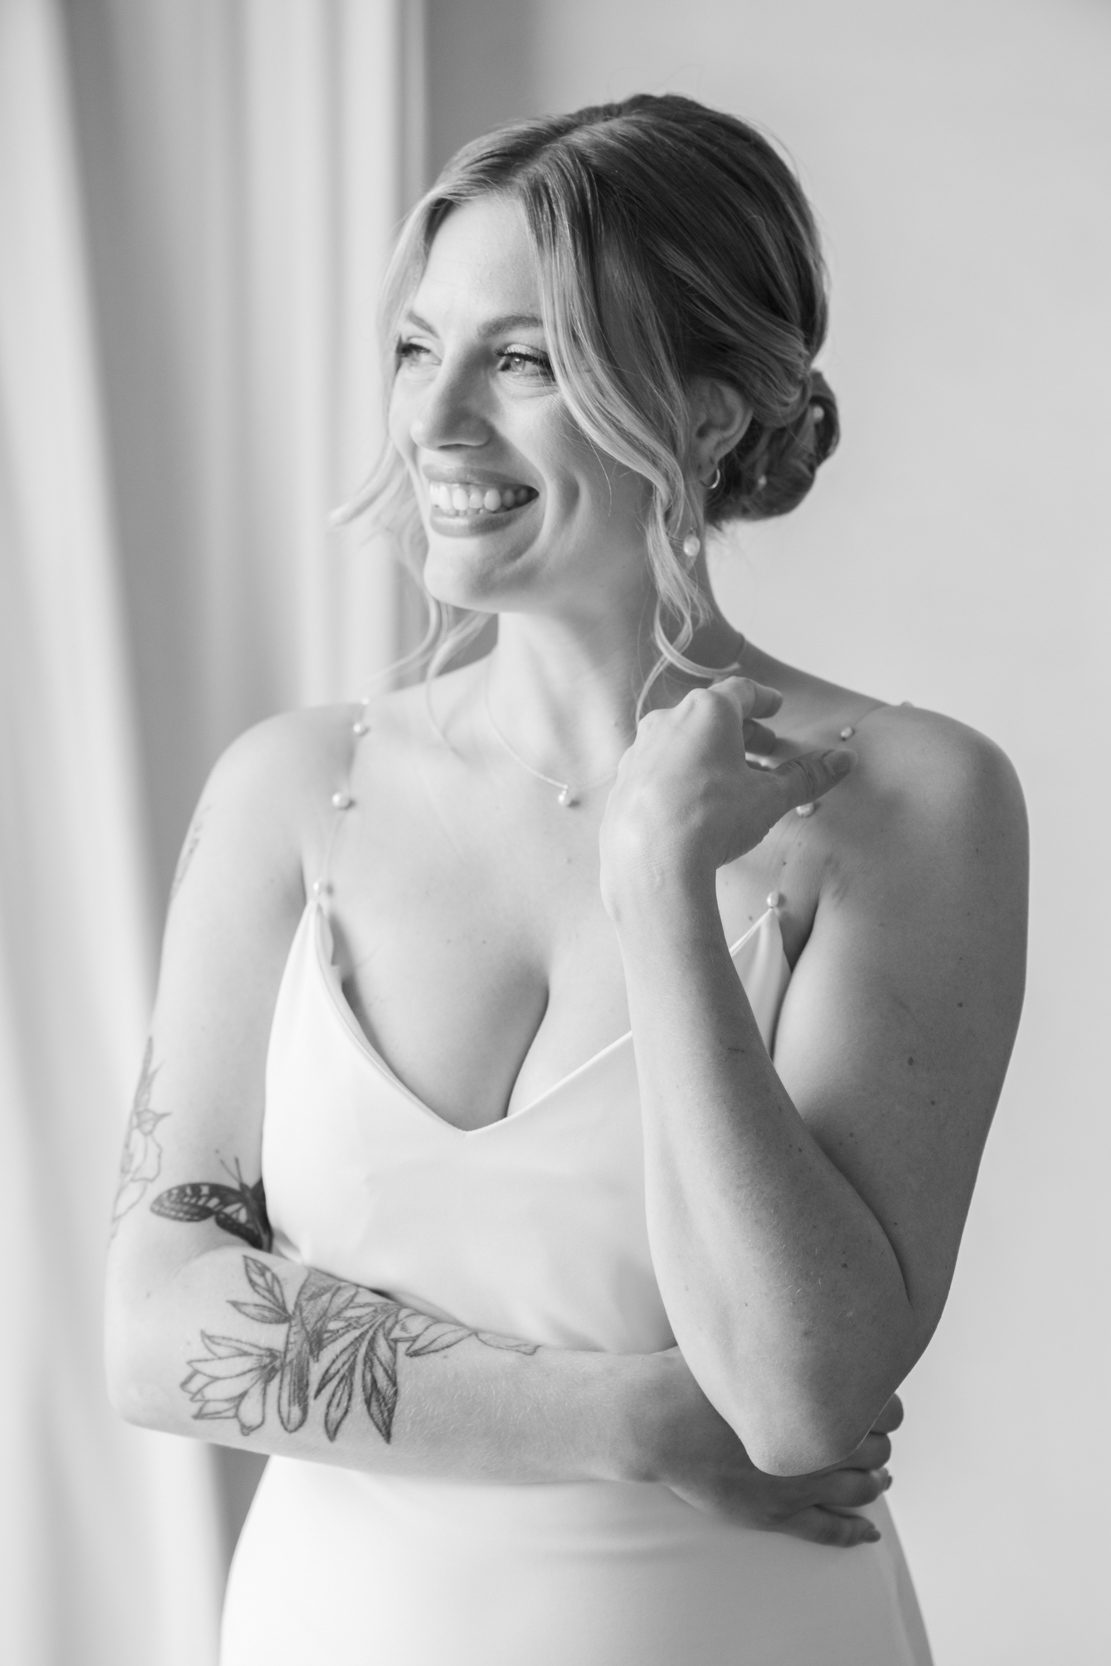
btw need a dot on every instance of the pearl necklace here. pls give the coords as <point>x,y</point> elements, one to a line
<point>567,795</point>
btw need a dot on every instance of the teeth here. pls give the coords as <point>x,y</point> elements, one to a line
<point>474,499</point>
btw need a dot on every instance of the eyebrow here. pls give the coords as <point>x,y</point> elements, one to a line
<point>493,326</point>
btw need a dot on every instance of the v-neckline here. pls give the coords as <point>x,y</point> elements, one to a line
<point>329,975</point>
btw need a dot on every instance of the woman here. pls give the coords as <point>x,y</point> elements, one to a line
<point>591,1362</point>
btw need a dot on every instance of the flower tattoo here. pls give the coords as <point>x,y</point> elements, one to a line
<point>345,1337</point>
<point>141,1159</point>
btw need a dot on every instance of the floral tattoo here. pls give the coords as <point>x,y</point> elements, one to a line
<point>141,1158</point>
<point>341,1341</point>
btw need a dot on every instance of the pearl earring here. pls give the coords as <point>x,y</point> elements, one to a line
<point>692,543</point>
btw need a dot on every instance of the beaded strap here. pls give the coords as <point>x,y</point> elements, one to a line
<point>342,799</point>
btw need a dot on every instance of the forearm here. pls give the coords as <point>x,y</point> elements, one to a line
<point>783,1290</point>
<point>249,1350</point>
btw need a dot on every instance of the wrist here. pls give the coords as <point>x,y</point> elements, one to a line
<point>655,1402</point>
<point>649,879</point>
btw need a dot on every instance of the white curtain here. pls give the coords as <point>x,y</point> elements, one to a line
<point>111,1536</point>
<point>196,197</point>
<point>244,163</point>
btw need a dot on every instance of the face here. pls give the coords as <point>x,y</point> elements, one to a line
<point>521,512</point>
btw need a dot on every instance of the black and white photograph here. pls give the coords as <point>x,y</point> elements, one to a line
<point>553,611</point>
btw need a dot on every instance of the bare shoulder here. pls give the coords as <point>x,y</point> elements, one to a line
<point>921,865</point>
<point>924,786</point>
<point>932,812</point>
<point>285,760</point>
<point>265,806</point>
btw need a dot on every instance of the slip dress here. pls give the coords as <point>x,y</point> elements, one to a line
<point>532,1227</point>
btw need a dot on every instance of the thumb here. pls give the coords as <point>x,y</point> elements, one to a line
<point>802,780</point>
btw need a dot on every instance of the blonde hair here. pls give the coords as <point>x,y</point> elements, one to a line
<point>672,242</point>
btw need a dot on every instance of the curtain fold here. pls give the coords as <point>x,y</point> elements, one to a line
<point>111,1535</point>
<point>245,163</point>
<point>196,202</point>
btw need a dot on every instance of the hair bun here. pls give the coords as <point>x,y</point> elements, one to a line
<point>773,468</point>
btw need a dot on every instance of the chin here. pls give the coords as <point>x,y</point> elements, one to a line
<point>475,580</point>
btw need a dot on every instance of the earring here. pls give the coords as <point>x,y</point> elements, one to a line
<point>715,480</point>
<point>692,543</point>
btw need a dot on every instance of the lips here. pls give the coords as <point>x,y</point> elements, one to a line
<point>472,499</point>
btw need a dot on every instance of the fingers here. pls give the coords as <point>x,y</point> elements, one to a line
<point>759,740</point>
<point>872,1453</point>
<point>802,780</point>
<point>753,699</point>
<point>850,1488</point>
<point>890,1417</point>
<point>828,1527</point>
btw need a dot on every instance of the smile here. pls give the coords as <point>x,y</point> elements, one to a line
<point>467,500</point>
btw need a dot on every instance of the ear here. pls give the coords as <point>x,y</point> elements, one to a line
<point>719,416</point>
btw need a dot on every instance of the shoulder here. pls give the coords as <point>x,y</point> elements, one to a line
<point>932,818</point>
<point>917,769</point>
<point>285,758</point>
<point>926,790</point>
<point>265,808</point>
<point>285,768</point>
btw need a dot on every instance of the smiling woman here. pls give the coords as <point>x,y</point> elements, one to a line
<point>593,1054</point>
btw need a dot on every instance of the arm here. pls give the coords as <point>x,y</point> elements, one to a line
<point>251,1350</point>
<point>805,1218</point>
<point>210,1334</point>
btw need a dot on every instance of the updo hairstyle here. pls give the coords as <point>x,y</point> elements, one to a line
<point>672,242</point>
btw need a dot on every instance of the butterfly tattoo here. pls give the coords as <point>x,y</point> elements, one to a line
<point>238,1209</point>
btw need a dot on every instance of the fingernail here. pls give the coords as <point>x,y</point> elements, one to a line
<point>840,760</point>
<point>872,1538</point>
<point>888,1482</point>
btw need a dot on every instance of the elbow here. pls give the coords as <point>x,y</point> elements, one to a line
<point>128,1395</point>
<point>800,1427</point>
<point>133,1401</point>
<point>129,1380</point>
<point>806,1443</point>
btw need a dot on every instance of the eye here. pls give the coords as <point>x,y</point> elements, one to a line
<point>527,361</point>
<point>411,352</point>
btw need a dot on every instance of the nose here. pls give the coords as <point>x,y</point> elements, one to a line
<point>449,413</point>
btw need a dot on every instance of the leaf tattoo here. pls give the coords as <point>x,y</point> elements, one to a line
<point>342,1333</point>
<point>141,1158</point>
<point>238,1209</point>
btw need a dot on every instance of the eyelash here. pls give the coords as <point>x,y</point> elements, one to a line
<point>413,350</point>
<point>522,356</point>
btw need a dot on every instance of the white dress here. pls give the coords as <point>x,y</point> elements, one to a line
<point>533,1227</point>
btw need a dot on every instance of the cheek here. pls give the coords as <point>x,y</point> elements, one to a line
<point>399,420</point>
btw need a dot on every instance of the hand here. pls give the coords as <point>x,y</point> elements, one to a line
<point>684,793</point>
<point>703,1462</point>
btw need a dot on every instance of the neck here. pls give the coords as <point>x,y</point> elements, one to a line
<point>565,695</point>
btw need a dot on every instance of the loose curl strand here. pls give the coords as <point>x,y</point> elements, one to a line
<point>673,243</point>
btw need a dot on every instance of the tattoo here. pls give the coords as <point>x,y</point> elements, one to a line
<point>346,1337</point>
<point>192,840</point>
<point>239,1209</point>
<point>141,1159</point>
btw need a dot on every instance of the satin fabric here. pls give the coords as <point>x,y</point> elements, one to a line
<point>534,1227</point>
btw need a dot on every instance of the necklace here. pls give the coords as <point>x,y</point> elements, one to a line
<point>568,795</point>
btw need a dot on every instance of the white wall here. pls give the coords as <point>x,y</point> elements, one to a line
<point>954,554</point>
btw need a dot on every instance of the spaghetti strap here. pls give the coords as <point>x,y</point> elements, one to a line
<point>343,799</point>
